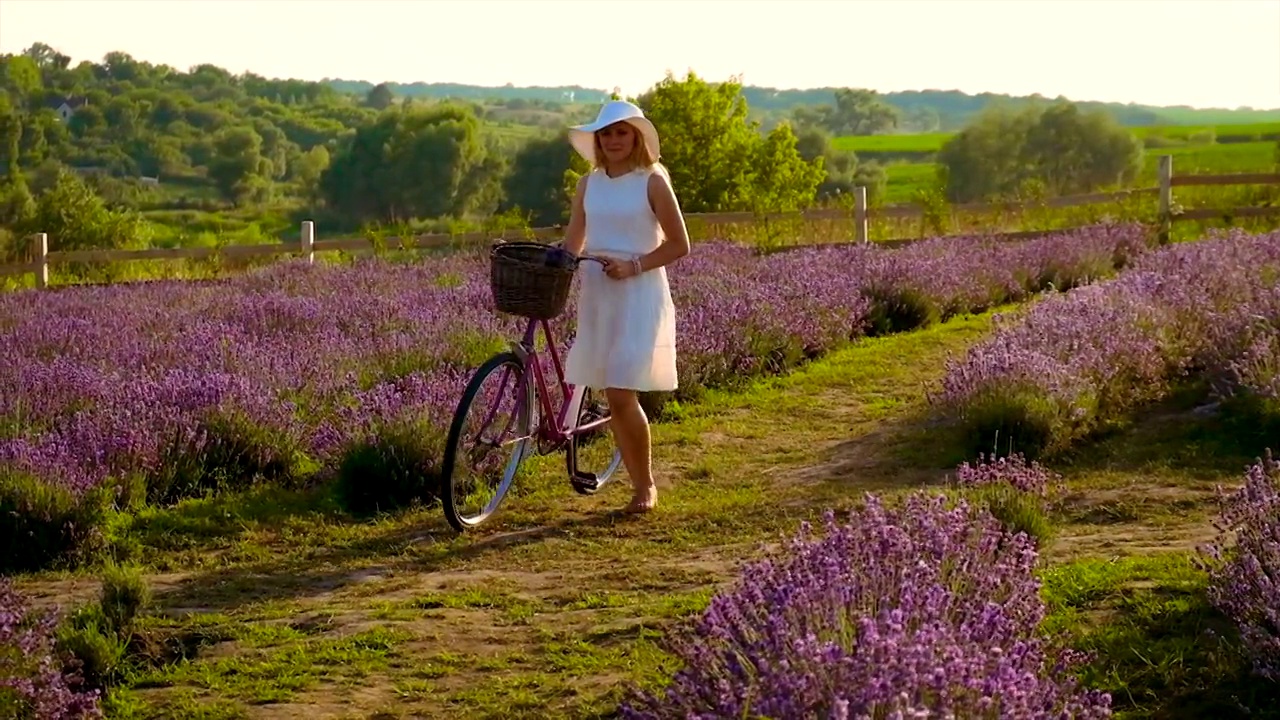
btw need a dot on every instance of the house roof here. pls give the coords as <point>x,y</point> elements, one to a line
<point>75,103</point>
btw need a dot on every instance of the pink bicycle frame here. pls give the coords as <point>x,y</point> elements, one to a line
<point>561,430</point>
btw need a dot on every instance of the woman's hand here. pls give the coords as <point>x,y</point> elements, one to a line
<point>621,269</point>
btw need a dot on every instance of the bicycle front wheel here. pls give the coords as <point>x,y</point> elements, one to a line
<point>489,438</point>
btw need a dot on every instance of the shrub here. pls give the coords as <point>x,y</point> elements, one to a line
<point>1016,491</point>
<point>91,645</point>
<point>42,524</point>
<point>226,450</point>
<point>97,637</point>
<point>1014,471</point>
<point>898,309</point>
<point>33,683</point>
<point>1244,581</point>
<point>125,594</point>
<point>286,373</point>
<point>397,466</point>
<point>927,609</point>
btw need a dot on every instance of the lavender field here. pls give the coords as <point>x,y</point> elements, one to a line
<point>184,387</point>
<point>909,604</point>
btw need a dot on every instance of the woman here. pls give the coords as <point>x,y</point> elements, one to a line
<point>626,212</point>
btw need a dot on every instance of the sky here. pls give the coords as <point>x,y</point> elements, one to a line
<point>1202,53</point>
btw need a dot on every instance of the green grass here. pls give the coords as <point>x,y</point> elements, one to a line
<point>1157,645</point>
<point>906,179</point>
<point>1213,159</point>
<point>1228,133</point>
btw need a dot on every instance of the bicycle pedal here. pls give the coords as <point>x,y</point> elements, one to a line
<point>585,483</point>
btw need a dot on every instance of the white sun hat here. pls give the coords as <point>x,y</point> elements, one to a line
<point>583,136</point>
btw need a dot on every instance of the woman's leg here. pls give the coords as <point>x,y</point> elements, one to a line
<point>630,428</point>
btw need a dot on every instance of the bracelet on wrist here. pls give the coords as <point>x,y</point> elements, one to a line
<point>636,264</point>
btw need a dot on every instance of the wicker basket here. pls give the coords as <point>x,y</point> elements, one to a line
<point>524,284</point>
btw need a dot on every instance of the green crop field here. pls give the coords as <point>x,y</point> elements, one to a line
<point>927,143</point>
<point>1216,158</point>
<point>1192,153</point>
<point>921,143</point>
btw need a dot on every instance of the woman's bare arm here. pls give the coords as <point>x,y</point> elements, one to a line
<point>662,198</point>
<point>575,234</point>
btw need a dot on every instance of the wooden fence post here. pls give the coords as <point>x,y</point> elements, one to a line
<point>40,259</point>
<point>860,233</point>
<point>308,240</point>
<point>1166,197</point>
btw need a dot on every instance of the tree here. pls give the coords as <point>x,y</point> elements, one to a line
<point>276,148</point>
<point>20,76</point>
<point>16,202</point>
<point>843,170</point>
<point>712,150</point>
<point>862,112</point>
<point>854,112</point>
<point>121,66</point>
<point>309,167</point>
<point>535,183</point>
<point>379,97</point>
<point>10,137</point>
<point>237,163</point>
<point>411,163</point>
<point>1072,152</point>
<point>77,219</point>
<point>87,122</point>
<point>1060,147</point>
<point>46,57</point>
<point>780,183</point>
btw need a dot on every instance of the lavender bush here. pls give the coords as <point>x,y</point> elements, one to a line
<point>1243,353</point>
<point>1013,471</point>
<point>1077,361</point>
<point>1244,579</point>
<point>923,611</point>
<point>1018,492</point>
<point>33,684</point>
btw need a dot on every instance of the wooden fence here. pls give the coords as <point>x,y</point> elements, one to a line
<point>307,245</point>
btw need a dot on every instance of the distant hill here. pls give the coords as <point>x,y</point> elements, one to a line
<point>923,110</point>
<point>561,94</point>
<point>954,108</point>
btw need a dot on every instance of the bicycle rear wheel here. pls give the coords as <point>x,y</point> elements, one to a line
<point>483,453</point>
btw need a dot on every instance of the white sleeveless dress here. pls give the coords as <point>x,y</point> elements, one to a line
<point>626,335</point>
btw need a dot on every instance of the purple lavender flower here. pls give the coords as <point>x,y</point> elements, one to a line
<point>1014,471</point>
<point>33,684</point>
<point>1244,579</point>
<point>926,609</point>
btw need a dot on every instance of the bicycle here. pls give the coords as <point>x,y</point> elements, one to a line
<point>530,280</point>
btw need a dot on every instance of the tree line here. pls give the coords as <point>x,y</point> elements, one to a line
<point>243,141</point>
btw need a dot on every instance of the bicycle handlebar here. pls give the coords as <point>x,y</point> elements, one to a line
<point>577,259</point>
